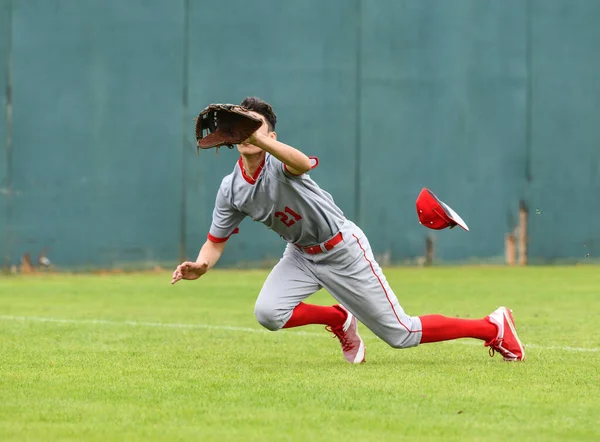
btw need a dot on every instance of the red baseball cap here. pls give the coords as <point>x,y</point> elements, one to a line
<point>435,214</point>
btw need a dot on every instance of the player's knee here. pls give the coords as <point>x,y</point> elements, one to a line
<point>402,340</point>
<point>398,344</point>
<point>267,317</point>
<point>392,341</point>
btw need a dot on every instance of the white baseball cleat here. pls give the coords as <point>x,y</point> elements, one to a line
<point>507,342</point>
<point>352,344</point>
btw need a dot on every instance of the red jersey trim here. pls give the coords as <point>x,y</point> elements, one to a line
<point>314,162</point>
<point>219,240</point>
<point>251,179</point>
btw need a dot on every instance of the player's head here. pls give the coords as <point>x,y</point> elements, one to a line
<point>264,111</point>
<point>263,108</point>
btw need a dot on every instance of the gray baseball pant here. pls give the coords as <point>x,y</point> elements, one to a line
<point>350,273</point>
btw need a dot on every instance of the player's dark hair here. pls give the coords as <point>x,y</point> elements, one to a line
<point>261,107</point>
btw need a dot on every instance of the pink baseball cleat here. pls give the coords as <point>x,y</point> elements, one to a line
<point>507,342</point>
<point>352,344</point>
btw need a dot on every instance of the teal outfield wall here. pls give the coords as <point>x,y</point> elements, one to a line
<point>486,103</point>
<point>5,43</point>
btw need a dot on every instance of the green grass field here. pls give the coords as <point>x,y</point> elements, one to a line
<point>130,357</point>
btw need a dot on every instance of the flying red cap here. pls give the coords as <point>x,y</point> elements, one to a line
<point>435,214</point>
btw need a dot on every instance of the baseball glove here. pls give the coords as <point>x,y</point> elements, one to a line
<point>224,125</point>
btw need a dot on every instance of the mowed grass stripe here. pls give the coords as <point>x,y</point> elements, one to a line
<point>236,329</point>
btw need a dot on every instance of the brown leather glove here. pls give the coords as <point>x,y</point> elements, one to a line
<point>224,125</point>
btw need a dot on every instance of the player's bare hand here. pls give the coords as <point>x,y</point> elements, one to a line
<point>252,139</point>
<point>189,270</point>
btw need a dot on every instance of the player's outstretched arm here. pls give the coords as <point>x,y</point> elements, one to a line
<point>297,162</point>
<point>207,258</point>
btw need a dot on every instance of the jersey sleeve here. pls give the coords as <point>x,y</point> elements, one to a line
<point>226,218</point>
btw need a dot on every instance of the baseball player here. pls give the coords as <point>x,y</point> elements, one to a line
<point>269,183</point>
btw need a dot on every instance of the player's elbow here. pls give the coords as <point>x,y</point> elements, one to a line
<point>301,166</point>
<point>306,164</point>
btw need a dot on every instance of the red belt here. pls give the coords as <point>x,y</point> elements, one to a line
<point>327,245</point>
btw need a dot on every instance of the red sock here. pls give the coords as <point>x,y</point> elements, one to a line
<point>441,328</point>
<point>305,314</point>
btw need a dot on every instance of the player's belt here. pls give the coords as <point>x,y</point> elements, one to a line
<point>327,245</point>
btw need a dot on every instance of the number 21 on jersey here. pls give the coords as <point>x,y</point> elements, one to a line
<point>288,217</point>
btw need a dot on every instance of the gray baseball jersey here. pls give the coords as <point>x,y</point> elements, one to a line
<point>303,214</point>
<point>293,206</point>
